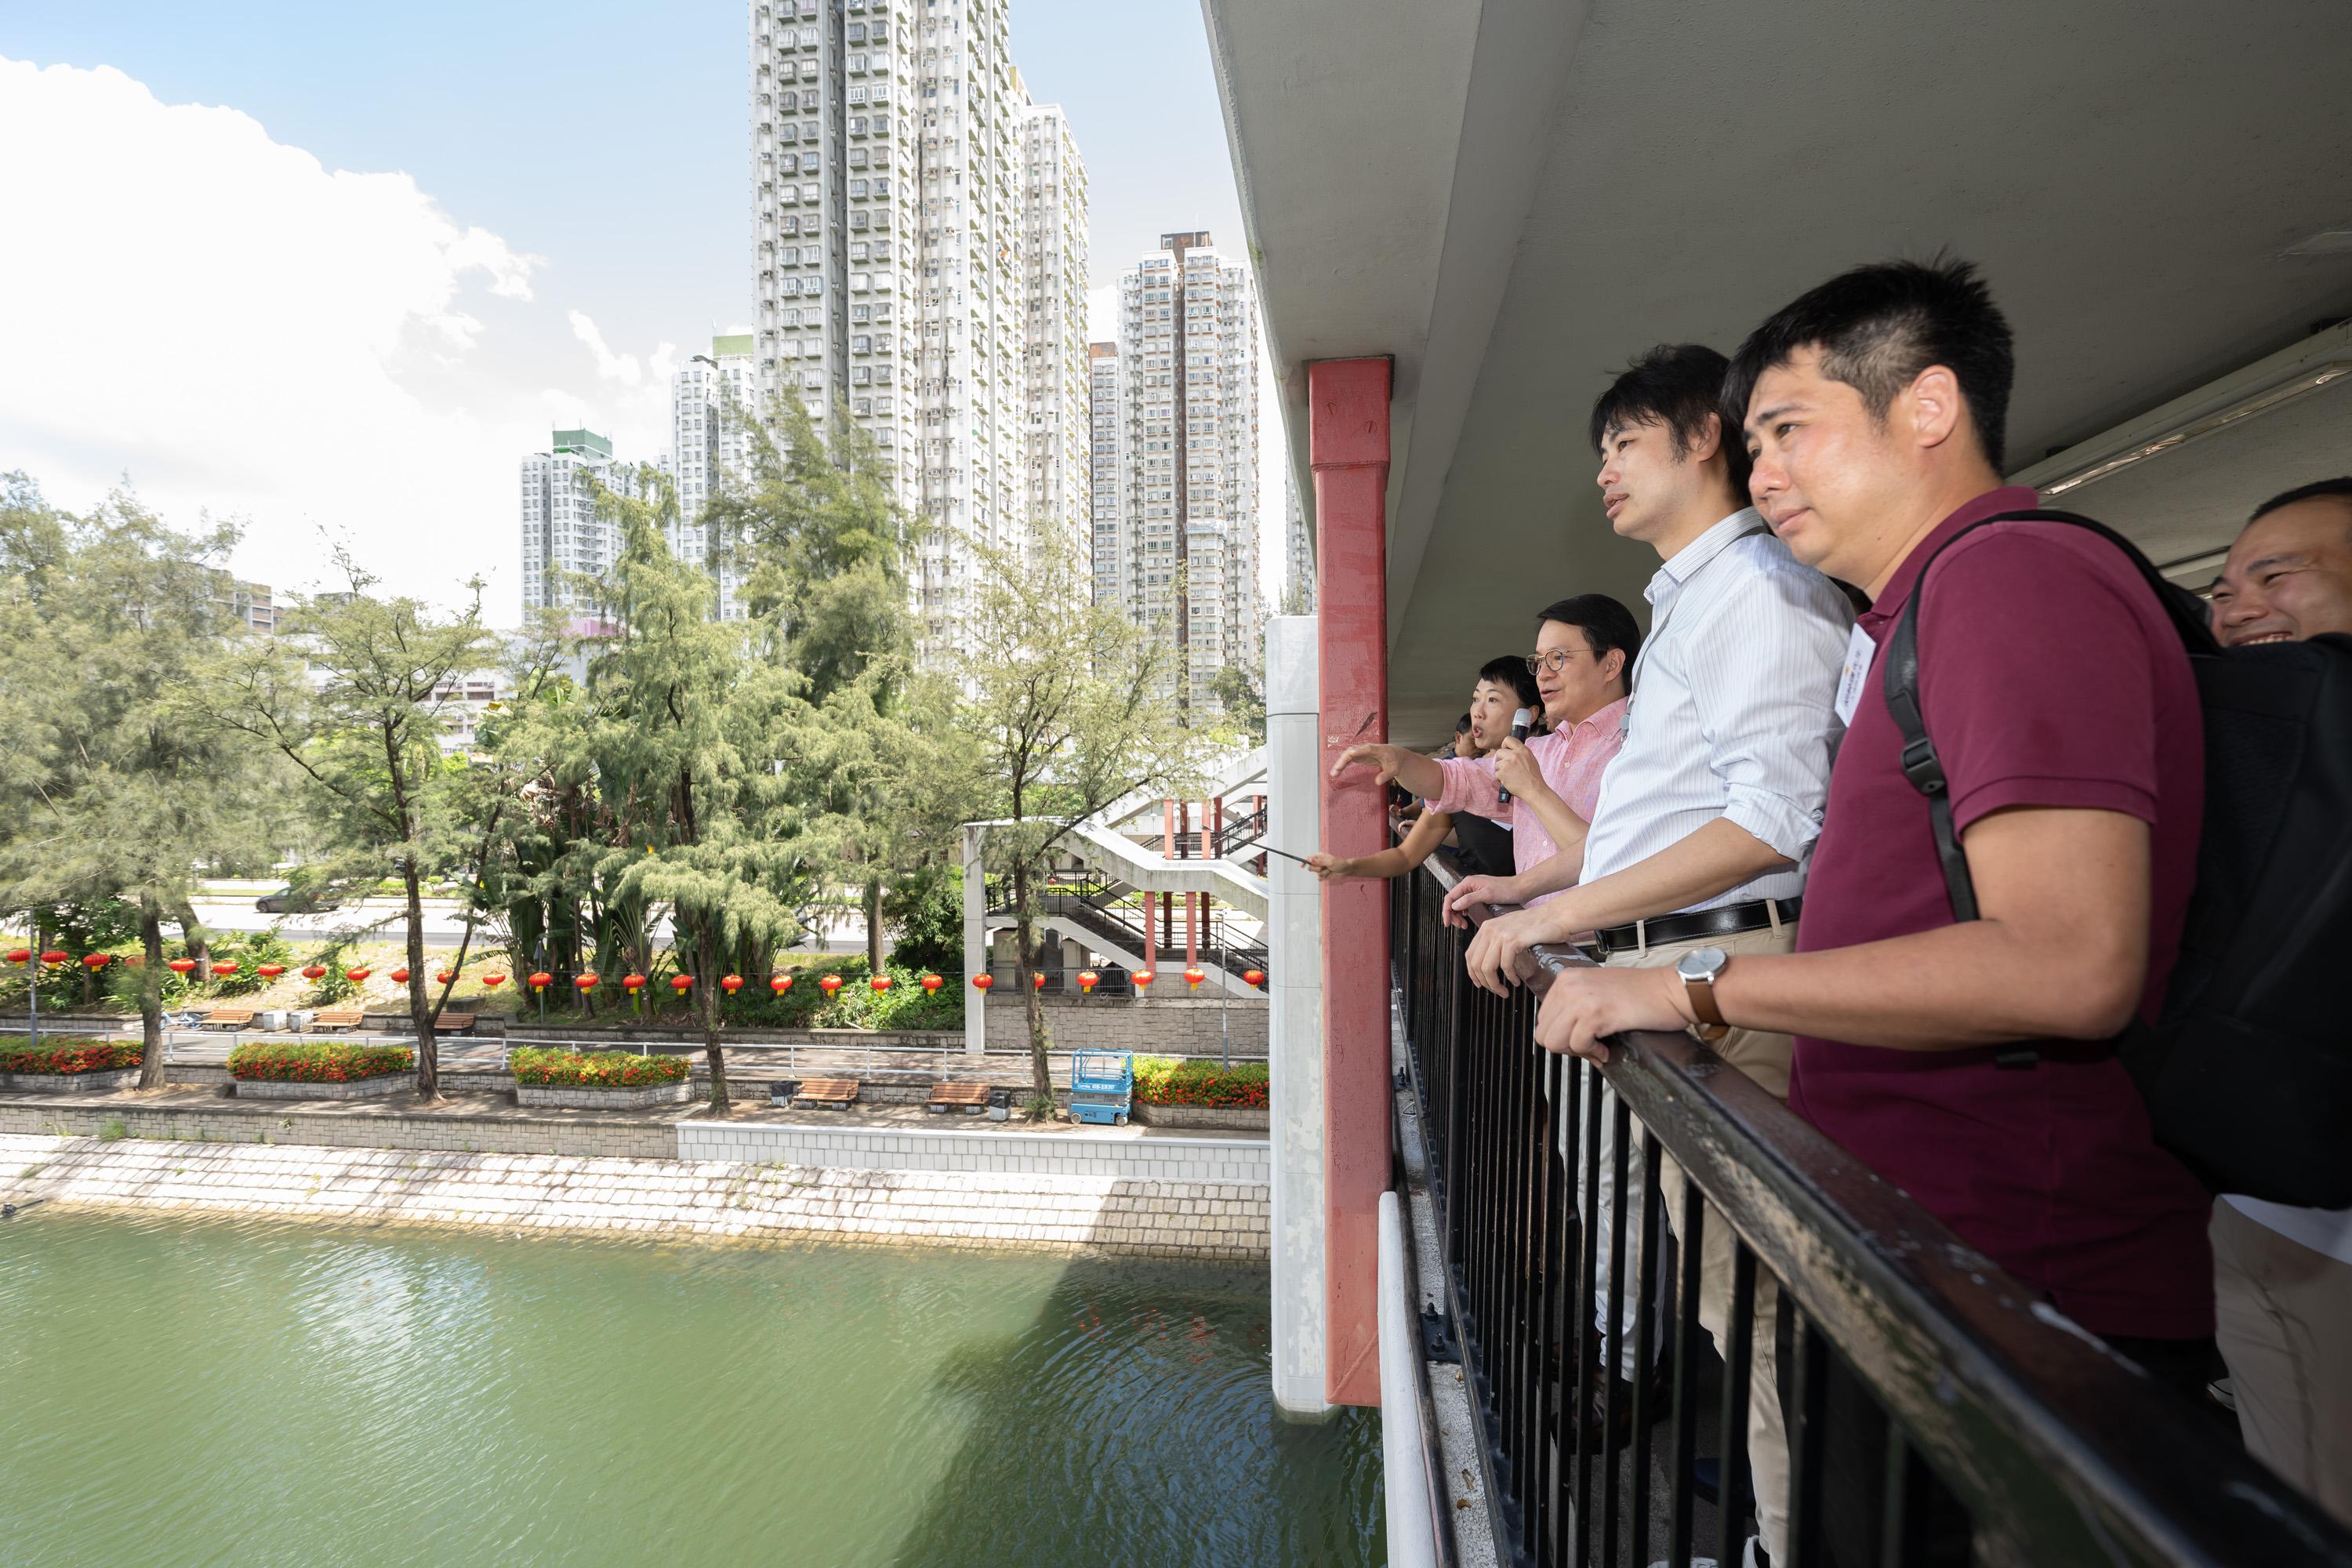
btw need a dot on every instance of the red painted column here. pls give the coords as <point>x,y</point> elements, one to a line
<point>1347,448</point>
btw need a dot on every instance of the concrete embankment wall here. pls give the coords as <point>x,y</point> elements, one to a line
<point>711,1199</point>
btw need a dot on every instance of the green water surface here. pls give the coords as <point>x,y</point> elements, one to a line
<point>186,1391</point>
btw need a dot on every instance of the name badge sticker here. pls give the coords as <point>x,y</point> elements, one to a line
<point>1859,651</point>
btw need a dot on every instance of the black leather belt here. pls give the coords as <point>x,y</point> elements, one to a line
<point>1731,920</point>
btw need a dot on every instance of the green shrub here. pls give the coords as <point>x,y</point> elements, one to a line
<point>1163,1080</point>
<point>320,1061</point>
<point>71,1055</point>
<point>857,1005</point>
<point>594,1069</point>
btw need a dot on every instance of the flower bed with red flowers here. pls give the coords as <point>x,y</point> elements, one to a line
<point>71,1055</point>
<point>594,1069</point>
<point>1162,1080</point>
<point>323,1061</point>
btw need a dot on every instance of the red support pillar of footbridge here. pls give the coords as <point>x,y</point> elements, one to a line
<point>1347,448</point>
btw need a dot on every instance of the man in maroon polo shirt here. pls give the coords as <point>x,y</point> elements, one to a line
<point>1969,1062</point>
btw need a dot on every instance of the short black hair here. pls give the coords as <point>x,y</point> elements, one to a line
<point>2340,489</point>
<point>1605,623</point>
<point>1877,327</point>
<point>1511,673</point>
<point>1680,386</point>
<point>1462,725</point>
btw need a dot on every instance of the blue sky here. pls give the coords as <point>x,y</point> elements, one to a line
<point>599,149</point>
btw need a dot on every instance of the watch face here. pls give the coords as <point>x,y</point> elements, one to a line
<point>1703,964</point>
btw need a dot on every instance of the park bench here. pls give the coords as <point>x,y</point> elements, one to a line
<point>229,1018</point>
<point>970,1098</point>
<point>838,1092</point>
<point>335,1018</point>
<point>453,1023</point>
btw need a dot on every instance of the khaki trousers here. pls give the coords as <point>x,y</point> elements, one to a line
<point>1764,1057</point>
<point>2283,1320</point>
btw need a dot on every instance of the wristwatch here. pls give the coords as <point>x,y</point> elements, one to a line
<point>1698,970</point>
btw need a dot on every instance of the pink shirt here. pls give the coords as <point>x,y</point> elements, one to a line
<point>1571,762</point>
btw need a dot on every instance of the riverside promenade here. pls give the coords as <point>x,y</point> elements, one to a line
<point>890,1173</point>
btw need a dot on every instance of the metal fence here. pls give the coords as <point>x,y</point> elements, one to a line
<point>1974,1406</point>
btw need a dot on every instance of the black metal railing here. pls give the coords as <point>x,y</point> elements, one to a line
<point>1982,1410</point>
<point>1238,833</point>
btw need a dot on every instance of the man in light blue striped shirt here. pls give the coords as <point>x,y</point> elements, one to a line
<point>1707,818</point>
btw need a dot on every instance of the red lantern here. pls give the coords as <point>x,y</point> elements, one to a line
<point>1143,979</point>
<point>226,966</point>
<point>1255,976</point>
<point>681,983</point>
<point>632,983</point>
<point>494,978</point>
<point>980,982</point>
<point>310,971</point>
<point>832,983</point>
<point>731,984</point>
<point>60,955</point>
<point>541,979</point>
<point>1193,977</point>
<point>97,961</point>
<point>780,984</point>
<point>585,982</point>
<point>932,983</point>
<point>1037,980</point>
<point>20,955</point>
<point>182,965</point>
<point>880,983</point>
<point>272,971</point>
<point>357,975</point>
<point>400,977</point>
<point>446,976</point>
<point>1086,978</point>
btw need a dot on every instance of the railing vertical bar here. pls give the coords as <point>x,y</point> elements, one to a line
<point>1557,1202</point>
<point>1894,1520</point>
<point>1620,1134</point>
<point>1590,1354</point>
<point>1730,1519</point>
<point>1645,1328</point>
<point>1805,1447</point>
<point>1689,1242</point>
<point>1526,1069</point>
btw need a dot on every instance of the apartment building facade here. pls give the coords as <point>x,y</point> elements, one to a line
<point>890,252</point>
<point>1106,473</point>
<point>714,397</point>
<point>1188,499</point>
<point>564,539</point>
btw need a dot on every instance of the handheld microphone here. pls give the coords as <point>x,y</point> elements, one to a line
<point>1521,718</point>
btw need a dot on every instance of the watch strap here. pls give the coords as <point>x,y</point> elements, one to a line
<point>1711,1025</point>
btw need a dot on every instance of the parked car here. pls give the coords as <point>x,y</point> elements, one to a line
<point>291,902</point>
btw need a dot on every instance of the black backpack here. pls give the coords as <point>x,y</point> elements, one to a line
<point>2248,1070</point>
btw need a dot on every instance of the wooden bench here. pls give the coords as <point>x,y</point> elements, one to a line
<point>453,1023</point>
<point>335,1018</point>
<point>841,1092</point>
<point>967,1096</point>
<point>229,1018</point>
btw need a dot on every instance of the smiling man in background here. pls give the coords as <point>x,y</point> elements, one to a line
<point>2289,575</point>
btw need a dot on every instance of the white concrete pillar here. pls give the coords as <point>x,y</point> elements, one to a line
<point>975,943</point>
<point>1294,936</point>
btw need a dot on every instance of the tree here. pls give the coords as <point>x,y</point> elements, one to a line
<point>117,781</point>
<point>1237,689</point>
<point>680,736</point>
<point>362,726</point>
<point>1069,715</point>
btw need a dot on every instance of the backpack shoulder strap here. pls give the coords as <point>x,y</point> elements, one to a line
<point>1900,685</point>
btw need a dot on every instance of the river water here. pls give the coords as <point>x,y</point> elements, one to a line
<point>177,1390</point>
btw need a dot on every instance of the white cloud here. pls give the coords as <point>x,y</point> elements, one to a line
<point>237,328</point>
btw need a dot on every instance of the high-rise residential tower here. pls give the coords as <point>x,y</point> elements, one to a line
<point>891,246</point>
<point>1189,426</point>
<point>713,398</point>
<point>1299,578</point>
<point>563,538</point>
<point>1108,460</point>
<point>1056,390</point>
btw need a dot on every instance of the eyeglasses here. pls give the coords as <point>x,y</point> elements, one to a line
<point>1554,661</point>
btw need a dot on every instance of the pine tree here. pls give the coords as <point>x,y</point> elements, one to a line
<point>115,782</point>
<point>365,739</point>
<point>1070,713</point>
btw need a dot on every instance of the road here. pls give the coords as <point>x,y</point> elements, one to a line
<point>386,920</point>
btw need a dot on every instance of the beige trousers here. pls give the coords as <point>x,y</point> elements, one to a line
<point>2283,1318</point>
<point>1764,1057</point>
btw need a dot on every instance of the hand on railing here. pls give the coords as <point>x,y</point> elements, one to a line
<point>1585,1004</point>
<point>1475,890</point>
